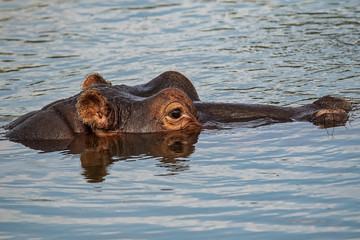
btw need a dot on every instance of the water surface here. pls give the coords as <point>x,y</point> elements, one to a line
<point>281,181</point>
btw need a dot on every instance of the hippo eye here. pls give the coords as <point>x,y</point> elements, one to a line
<point>175,113</point>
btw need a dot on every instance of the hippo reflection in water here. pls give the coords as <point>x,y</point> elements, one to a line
<point>169,102</point>
<point>96,153</point>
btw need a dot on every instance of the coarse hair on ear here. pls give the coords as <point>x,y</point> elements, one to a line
<point>93,109</point>
<point>93,79</point>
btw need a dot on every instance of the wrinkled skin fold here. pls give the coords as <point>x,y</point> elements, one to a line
<point>167,103</point>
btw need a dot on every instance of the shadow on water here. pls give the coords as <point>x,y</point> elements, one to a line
<point>96,153</point>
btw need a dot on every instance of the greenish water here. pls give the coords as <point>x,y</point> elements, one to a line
<point>281,181</point>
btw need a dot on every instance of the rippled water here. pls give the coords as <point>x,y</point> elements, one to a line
<point>282,181</point>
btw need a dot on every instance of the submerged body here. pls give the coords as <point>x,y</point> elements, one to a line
<point>169,102</point>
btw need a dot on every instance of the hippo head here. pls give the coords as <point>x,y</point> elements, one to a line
<point>112,110</point>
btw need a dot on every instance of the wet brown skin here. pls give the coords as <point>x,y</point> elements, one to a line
<point>169,102</point>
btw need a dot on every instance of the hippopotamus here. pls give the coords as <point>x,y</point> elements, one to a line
<point>169,102</point>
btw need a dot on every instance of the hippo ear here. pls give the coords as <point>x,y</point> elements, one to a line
<point>93,109</point>
<point>93,79</point>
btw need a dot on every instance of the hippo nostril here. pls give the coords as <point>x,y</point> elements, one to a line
<point>175,113</point>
